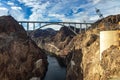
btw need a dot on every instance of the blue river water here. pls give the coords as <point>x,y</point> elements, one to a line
<point>55,71</point>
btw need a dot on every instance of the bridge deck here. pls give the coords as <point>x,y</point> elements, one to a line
<point>52,22</point>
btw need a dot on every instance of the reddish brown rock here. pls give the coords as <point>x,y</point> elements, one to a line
<point>20,58</point>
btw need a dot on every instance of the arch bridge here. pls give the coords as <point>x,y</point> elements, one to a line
<point>38,24</point>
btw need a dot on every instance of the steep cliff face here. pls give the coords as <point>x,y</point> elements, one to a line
<point>20,58</point>
<point>42,36</point>
<point>86,54</point>
<point>42,33</point>
<point>111,63</point>
<point>58,42</point>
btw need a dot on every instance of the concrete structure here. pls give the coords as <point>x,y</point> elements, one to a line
<point>108,38</point>
<point>76,25</point>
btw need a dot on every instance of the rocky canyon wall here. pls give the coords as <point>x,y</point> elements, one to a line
<point>20,57</point>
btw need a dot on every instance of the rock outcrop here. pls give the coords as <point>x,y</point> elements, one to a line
<point>42,36</point>
<point>20,58</point>
<point>111,63</point>
<point>86,54</point>
<point>59,41</point>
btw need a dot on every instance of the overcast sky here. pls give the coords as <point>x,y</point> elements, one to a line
<point>58,10</point>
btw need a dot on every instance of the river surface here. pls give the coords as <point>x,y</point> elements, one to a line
<point>55,71</point>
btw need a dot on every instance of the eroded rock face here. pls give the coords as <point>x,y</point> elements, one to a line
<point>87,55</point>
<point>55,44</point>
<point>20,58</point>
<point>111,63</point>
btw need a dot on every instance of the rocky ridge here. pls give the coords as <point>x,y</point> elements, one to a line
<point>86,54</point>
<point>55,44</point>
<point>20,58</point>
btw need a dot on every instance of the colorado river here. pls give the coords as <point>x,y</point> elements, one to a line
<point>55,71</point>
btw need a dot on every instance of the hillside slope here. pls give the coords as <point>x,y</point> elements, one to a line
<point>85,62</point>
<point>20,57</point>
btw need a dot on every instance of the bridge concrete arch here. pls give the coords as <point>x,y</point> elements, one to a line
<point>62,25</point>
<point>66,24</point>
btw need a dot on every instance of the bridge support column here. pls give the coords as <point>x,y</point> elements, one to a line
<point>85,27</point>
<point>63,23</point>
<point>80,28</point>
<point>69,25</point>
<point>75,27</point>
<point>27,26</point>
<point>39,25</point>
<point>33,26</point>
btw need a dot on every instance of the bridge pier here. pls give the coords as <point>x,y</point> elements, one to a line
<point>80,28</point>
<point>27,26</point>
<point>33,26</point>
<point>85,27</point>
<point>75,27</point>
<point>69,25</point>
<point>39,24</point>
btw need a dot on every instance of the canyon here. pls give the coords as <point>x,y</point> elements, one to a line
<point>81,53</point>
<point>24,57</point>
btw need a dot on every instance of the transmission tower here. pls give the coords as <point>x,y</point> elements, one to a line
<point>99,13</point>
<point>106,24</point>
<point>8,13</point>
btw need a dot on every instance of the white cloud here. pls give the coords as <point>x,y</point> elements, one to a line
<point>10,3</point>
<point>16,8</point>
<point>3,11</point>
<point>94,1</point>
<point>94,18</point>
<point>30,3</point>
<point>38,9</point>
<point>109,7</point>
<point>17,14</point>
<point>47,10</point>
